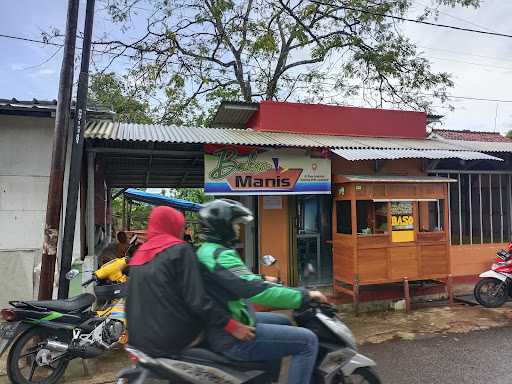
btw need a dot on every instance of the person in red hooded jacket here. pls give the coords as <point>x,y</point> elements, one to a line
<point>167,306</point>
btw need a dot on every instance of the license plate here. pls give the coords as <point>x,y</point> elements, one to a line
<point>8,332</point>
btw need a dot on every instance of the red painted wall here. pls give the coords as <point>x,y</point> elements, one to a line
<point>336,120</point>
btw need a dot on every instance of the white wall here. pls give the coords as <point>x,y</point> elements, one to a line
<point>25,155</point>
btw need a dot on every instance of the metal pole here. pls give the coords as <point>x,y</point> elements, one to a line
<point>460,214</point>
<point>449,212</point>
<point>510,208</point>
<point>129,216</point>
<point>91,241</point>
<point>438,206</point>
<point>470,213</point>
<point>124,214</point>
<point>490,206</point>
<point>55,187</point>
<point>501,209</point>
<point>481,210</point>
<point>77,150</point>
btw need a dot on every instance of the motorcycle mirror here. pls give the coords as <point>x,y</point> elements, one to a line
<point>72,274</point>
<point>268,260</point>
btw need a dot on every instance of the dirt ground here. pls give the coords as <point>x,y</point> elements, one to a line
<point>379,327</point>
<point>374,328</point>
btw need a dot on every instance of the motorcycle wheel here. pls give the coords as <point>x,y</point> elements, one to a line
<point>491,292</point>
<point>364,375</point>
<point>22,366</point>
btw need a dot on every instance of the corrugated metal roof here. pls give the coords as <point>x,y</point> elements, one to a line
<point>353,148</point>
<point>50,105</point>
<point>484,146</point>
<point>234,114</point>
<point>383,154</point>
<point>467,135</point>
<point>396,179</point>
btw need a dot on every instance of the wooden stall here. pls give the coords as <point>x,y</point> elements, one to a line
<point>389,229</point>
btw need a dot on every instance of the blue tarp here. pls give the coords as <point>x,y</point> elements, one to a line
<point>156,199</point>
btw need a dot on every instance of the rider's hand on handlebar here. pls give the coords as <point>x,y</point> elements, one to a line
<point>272,279</point>
<point>242,332</point>
<point>317,296</point>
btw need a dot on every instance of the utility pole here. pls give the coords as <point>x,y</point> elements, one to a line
<point>55,187</point>
<point>77,150</point>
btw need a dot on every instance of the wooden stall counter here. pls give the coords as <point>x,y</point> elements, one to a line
<point>389,229</point>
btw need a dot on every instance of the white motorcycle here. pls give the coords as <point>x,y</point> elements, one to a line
<point>495,286</point>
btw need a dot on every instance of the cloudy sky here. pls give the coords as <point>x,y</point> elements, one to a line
<point>481,65</point>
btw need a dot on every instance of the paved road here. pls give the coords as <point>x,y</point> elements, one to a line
<point>483,357</point>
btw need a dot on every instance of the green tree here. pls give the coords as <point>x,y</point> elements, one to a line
<point>305,50</point>
<point>111,91</point>
<point>192,194</point>
<point>509,134</point>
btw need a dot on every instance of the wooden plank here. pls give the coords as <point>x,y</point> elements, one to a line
<point>432,237</point>
<point>404,262</point>
<point>372,264</point>
<point>434,260</point>
<point>372,241</point>
<point>346,291</point>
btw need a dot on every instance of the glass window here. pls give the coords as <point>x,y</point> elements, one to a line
<point>431,214</point>
<point>314,232</point>
<point>372,217</point>
<point>343,217</point>
<point>308,214</point>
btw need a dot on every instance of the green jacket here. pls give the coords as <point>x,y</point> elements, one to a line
<point>229,281</point>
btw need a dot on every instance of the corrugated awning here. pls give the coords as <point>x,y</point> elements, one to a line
<point>156,199</point>
<point>234,114</point>
<point>349,147</point>
<point>392,179</point>
<point>390,154</point>
<point>484,146</point>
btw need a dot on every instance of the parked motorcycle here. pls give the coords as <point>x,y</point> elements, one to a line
<point>338,361</point>
<point>46,335</point>
<point>495,287</point>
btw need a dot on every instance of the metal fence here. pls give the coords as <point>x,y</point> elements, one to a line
<point>480,206</point>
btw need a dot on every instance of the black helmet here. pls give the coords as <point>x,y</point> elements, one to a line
<point>218,217</point>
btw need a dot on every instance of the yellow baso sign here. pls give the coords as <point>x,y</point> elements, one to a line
<point>402,236</point>
<point>405,220</point>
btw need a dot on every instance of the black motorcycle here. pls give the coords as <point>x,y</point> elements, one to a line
<point>46,335</point>
<point>338,361</point>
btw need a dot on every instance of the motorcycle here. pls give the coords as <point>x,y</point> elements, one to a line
<point>495,287</point>
<point>45,335</point>
<point>338,361</point>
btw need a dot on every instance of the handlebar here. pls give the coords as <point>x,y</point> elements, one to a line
<point>86,283</point>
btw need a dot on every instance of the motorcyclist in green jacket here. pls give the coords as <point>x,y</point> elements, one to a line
<point>233,285</point>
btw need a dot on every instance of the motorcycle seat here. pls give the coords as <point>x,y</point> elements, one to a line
<point>75,304</point>
<point>207,356</point>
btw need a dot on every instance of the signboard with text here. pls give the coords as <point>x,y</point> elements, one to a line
<point>402,222</point>
<point>241,170</point>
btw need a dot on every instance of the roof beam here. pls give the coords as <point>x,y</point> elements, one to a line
<point>189,170</point>
<point>148,170</point>
<point>135,151</point>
